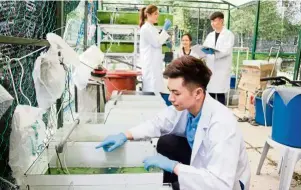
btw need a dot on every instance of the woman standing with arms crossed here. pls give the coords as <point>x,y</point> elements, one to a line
<point>151,42</point>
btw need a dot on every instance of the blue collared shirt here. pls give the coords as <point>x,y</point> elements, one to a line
<point>191,127</point>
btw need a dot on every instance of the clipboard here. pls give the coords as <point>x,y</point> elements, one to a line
<point>207,47</point>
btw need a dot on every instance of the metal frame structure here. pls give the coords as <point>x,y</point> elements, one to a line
<point>176,3</point>
<point>120,29</point>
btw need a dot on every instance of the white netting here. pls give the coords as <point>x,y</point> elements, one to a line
<point>5,100</point>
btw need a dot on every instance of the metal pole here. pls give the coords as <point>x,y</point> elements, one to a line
<point>59,148</point>
<point>229,15</point>
<point>255,30</point>
<point>85,47</point>
<point>198,27</point>
<point>298,58</point>
<point>96,33</point>
<point>60,31</point>
<point>86,25</point>
<point>135,48</point>
<point>101,4</point>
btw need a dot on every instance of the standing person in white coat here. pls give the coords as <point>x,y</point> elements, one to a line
<point>151,42</point>
<point>200,145</point>
<point>186,41</point>
<point>219,61</point>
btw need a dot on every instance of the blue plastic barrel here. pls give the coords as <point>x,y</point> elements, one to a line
<point>165,98</point>
<point>259,117</point>
<point>286,127</point>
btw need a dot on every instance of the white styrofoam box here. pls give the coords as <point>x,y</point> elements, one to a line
<point>96,132</point>
<point>255,62</point>
<point>84,154</point>
<point>134,116</point>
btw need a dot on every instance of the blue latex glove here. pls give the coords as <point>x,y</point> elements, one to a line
<point>167,25</point>
<point>112,142</point>
<point>208,51</point>
<point>160,161</point>
<point>169,44</point>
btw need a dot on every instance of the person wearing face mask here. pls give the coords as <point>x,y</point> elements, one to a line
<point>151,41</point>
<point>200,146</point>
<point>219,45</point>
<point>186,49</point>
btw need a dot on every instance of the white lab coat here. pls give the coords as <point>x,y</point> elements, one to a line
<point>151,57</point>
<point>180,53</point>
<point>219,158</point>
<point>220,63</point>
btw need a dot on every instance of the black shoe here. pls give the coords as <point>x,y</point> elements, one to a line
<point>175,185</point>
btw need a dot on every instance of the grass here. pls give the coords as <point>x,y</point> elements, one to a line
<point>87,171</point>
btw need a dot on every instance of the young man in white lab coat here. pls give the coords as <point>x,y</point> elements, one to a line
<point>200,146</point>
<point>219,57</point>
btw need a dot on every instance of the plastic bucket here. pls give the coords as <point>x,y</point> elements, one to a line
<point>232,82</point>
<point>120,80</point>
<point>259,117</point>
<point>286,127</point>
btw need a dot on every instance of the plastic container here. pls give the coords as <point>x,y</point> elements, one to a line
<point>120,80</point>
<point>232,82</point>
<point>165,98</point>
<point>286,127</point>
<point>259,117</point>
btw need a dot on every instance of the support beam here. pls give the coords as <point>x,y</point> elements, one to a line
<point>229,17</point>
<point>205,2</point>
<point>198,30</point>
<point>86,25</point>
<point>22,41</point>
<point>255,35</point>
<point>298,59</point>
<point>60,32</point>
<point>201,7</point>
<point>132,4</point>
<point>229,4</point>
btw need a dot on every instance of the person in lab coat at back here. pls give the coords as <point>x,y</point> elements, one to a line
<point>151,42</point>
<point>186,49</point>
<point>200,145</point>
<point>220,61</point>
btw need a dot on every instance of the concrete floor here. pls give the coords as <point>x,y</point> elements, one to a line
<point>255,138</point>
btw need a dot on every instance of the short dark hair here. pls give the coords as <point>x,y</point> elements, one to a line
<point>188,35</point>
<point>193,71</point>
<point>217,15</point>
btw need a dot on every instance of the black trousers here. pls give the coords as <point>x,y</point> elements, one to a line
<point>174,148</point>
<point>221,97</point>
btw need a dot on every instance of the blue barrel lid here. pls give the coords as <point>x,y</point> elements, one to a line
<point>286,94</point>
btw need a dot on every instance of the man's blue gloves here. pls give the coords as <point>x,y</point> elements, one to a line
<point>112,142</point>
<point>160,162</point>
<point>169,44</point>
<point>208,51</point>
<point>167,25</point>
